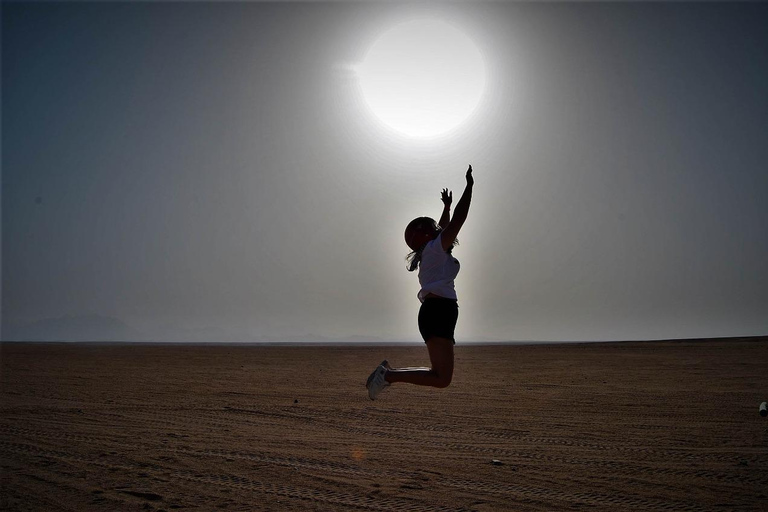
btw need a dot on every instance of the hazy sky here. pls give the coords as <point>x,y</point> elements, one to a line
<point>210,171</point>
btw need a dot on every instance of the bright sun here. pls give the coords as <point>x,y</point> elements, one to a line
<point>422,78</point>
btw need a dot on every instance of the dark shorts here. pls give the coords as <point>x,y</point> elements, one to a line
<point>437,317</point>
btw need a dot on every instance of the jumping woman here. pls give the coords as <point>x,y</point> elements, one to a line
<point>431,244</point>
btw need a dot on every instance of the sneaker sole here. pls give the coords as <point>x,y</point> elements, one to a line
<point>385,364</point>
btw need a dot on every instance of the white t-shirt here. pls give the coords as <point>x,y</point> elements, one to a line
<point>437,271</point>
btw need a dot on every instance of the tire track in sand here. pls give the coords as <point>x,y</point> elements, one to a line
<point>331,497</point>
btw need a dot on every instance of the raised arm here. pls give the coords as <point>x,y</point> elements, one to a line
<point>451,231</point>
<point>447,198</point>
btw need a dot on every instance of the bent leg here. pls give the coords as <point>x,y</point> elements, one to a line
<point>441,373</point>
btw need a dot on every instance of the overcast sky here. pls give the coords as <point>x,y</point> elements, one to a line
<point>209,171</point>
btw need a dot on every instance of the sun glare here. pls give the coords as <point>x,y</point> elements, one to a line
<point>422,78</point>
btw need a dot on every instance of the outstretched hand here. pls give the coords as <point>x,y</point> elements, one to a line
<point>470,179</point>
<point>446,197</point>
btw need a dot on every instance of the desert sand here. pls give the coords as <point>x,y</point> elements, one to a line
<point>616,426</point>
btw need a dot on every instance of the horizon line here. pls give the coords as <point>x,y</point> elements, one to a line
<point>339,343</point>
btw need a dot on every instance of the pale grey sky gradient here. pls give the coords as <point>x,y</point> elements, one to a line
<point>209,171</point>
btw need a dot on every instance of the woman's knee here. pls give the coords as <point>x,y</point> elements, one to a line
<point>441,357</point>
<point>444,378</point>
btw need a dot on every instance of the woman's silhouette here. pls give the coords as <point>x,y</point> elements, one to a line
<point>431,244</point>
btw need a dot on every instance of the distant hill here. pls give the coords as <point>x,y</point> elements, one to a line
<point>72,328</point>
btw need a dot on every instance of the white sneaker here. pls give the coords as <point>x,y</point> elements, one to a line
<point>376,382</point>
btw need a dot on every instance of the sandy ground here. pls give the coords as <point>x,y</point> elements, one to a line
<point>624,426</point>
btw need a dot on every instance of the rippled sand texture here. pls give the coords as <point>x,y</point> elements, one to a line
<point>625,426</point>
